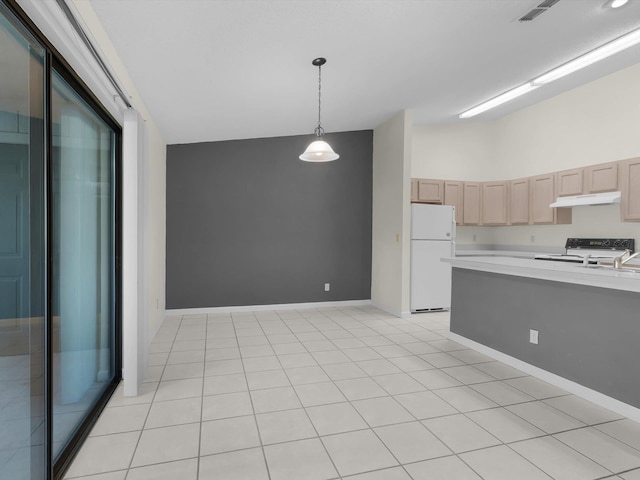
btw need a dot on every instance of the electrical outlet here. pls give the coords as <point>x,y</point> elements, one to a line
<point>327,287</point>
<point>533,336</point>
<point>532,239</point>
<point>474,237</point>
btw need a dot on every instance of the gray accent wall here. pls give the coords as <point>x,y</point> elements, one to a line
<point>588,335</point>
<point>248,223</point>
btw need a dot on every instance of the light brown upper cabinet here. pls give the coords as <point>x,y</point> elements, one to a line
<point>542,193</point>
<point>454,195</point>
<point>630,180</point>
<point>472,204</point>
<point>570,182</point>
<point>601,178</point>
<point>414,190</point>
<point>494,203</point>
<point>430,191</point>
<point>519,201</point>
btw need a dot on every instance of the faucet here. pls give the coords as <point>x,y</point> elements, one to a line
<point>618,261</point>
<point>630,257</point>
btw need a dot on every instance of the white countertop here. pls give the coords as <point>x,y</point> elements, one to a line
<point>545,270</point>
<point>495,253</point>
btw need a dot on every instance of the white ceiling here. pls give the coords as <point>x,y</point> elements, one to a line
<point>227,69</point>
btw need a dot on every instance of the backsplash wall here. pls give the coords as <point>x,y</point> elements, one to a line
<point>594,222</point>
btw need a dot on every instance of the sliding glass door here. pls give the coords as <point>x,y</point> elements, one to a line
<point>83,201</point>
<point>22,386</point>
<point>59,348</point>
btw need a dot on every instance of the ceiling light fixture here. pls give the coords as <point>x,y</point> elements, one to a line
<point>499,100</point>
<point>600,53</point>
<point>618,3</point>
<point>319,150</point>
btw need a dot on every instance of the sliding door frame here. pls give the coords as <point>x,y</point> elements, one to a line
<point>55,61</point>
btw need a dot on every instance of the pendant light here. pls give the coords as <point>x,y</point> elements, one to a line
<point>319,150</point>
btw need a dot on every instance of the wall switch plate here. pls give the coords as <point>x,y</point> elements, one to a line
<point>532,239</point>
<point>533,336</point>
<point>474,237</point>
<point>327,287</point>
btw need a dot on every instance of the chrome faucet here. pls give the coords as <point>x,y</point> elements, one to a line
<point>618,261</point>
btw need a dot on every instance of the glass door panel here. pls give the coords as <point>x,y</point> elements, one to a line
<point>83,259</point>
<point>22,410</point>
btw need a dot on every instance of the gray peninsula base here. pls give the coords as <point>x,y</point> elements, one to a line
<point>588,335</point>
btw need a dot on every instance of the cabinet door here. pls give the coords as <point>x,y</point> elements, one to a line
<point>542,194</point>
<point>454,195</point>
<point>430,191</point>
<point>494,203</point>
<point>601,178</point>
<point>630,180</point>
<point>414,190</point>
<point>472,204</point>
<point>570,182</point>
<point>519,201</point>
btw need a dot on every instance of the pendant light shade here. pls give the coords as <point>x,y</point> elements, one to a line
<point>319,150</point>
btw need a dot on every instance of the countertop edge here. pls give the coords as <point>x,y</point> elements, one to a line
<point>552,271</point>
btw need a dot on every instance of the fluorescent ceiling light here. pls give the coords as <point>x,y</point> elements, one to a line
<point>499,100</point>
<point>618,3</point>
<point>611,48</point>
<point>600,53</point>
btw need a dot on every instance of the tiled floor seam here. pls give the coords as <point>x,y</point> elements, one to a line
<point>307,415</point>
<point>255,419</point>
<point>150,406</point>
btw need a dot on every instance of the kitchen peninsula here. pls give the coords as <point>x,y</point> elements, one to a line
<point>587,318</point>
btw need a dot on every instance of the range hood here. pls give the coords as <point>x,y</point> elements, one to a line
<point>606,198</point>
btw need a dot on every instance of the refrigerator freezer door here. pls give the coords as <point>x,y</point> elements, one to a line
<point>430,278</point>
<point>432,222</point>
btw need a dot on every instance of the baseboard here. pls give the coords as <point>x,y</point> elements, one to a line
<point>391,310</point>
<point>572,387</point>
<point>260,308</point>
<point>155,331</point>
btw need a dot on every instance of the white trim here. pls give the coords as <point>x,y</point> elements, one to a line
<point>53,23</point>
<point>133,342</point>
<point>261,308</point>
<point>572,387</point>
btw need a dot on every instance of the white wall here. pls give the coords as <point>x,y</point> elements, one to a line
<point>596,123</point>
<point>391,214</point>
<point>464,151</point>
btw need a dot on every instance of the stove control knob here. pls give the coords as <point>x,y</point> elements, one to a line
<point>624,243</point>
<point>617,243</point>
<point>606,243</point>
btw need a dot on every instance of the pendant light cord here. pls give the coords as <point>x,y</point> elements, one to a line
<point>319,130</point>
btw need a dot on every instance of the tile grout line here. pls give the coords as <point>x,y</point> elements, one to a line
<point>151,406</point>
<point>255,418</point>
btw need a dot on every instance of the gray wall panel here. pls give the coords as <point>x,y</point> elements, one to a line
<point>248,223</point>
<point>588,335</point>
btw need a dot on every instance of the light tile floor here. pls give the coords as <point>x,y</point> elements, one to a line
<point>345,393</point>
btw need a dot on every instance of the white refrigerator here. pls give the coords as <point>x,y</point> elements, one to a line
<point>433,230</point>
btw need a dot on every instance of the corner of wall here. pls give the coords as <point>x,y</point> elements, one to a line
<point>391,213</point>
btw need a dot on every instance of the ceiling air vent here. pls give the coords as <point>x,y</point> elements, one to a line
<point>548,3</point>
<point>531,15</point>
<point>540,9</point>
